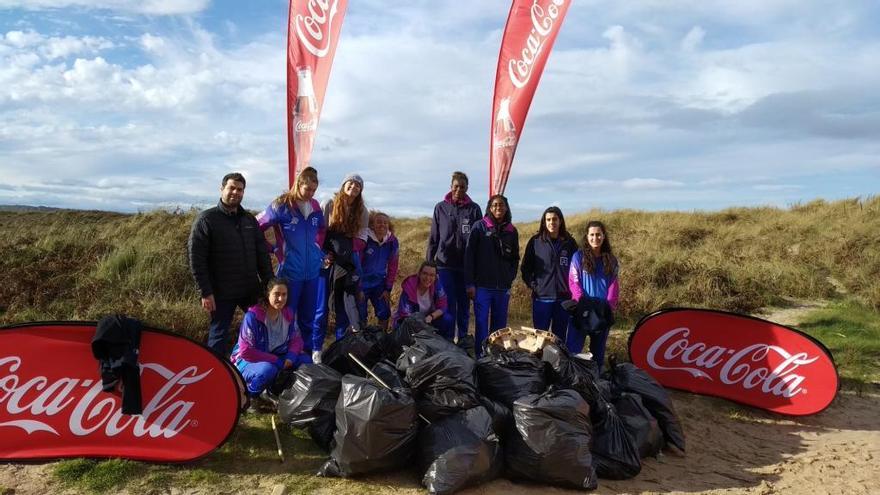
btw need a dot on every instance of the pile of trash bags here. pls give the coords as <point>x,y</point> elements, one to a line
<point>548,418</point>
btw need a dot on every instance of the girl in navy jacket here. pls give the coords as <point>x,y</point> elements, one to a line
<point>545,271</point>
<point>490,263</point>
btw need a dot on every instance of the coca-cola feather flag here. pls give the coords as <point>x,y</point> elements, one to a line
<point>312,32</point>
<point>531,29</point>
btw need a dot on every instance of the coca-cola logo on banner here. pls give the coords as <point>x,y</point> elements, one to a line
<point>741,358</point>
<point>52,404</point>
<point>313,30</point>
<point>519,69</point>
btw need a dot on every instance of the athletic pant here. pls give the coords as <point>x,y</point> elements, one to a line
<point>305,299</point>
<point>489,303</point>
<point>549,313</point>
<point>260,375</point>
<point>380,306</point>
<point>575,344</point>
<point>458,304</point>
<point>221,318</point>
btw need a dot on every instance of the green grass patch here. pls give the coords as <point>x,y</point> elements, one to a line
<point>851,331</point>
<point>95,476</point>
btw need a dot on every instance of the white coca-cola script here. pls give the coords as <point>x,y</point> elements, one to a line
<point>314,30</point>
<point>520,69</point>
<point>165,414</point>
<point>734,366</point>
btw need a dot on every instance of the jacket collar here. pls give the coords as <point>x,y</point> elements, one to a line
<point>465,201</point>
<point>372,235</point>
<point>410,286</point>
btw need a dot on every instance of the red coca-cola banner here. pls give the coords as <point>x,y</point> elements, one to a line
<point>531,29</point>
<point>736,357</point>
<point>312,31</point>
<point>52,404</point>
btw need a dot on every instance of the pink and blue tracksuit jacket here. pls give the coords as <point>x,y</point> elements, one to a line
<point>253,340</point>
<point>380,262</point>
<point>409,298</point>
<point>599,284</point>
<point>298,239</point>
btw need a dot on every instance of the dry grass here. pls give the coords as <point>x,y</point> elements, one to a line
<point>80,265</point>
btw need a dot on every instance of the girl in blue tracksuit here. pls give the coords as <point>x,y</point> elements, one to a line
<point>545,271</point>
<point>268,340</point>
<point>299,227</point>
<point>593,274</point>
<point>380,262</point>
<point>490,263</point>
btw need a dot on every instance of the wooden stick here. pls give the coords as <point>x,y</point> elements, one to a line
<point>277,438</point>
<point>376,377</point>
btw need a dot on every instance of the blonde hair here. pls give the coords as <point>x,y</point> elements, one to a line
<point>307,175</point>
<point>374,214</point>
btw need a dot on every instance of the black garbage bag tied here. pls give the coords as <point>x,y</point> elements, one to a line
<point>567,371</point>
<point>387,372</point>
<point>507,376</point>
<point>458,451</point>
<point>551,441</point>
<point>615,454</point>
<point>312,395</point>
<point>375,429</point>
<point>365,345</point>
<point>627,377</point>
<point>640,424</point>
<point>444,384</point>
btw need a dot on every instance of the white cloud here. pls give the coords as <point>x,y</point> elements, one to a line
<point>153,7</point>
<point>693,39</point>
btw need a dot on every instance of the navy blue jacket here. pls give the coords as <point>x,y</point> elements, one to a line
<point>492,255</point>
<point>545,266</point>
<point>450,228</point>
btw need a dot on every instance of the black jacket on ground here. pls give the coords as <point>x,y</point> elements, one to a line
<point>227,254</point>
<point>492,255</point>
<point>545,266</point>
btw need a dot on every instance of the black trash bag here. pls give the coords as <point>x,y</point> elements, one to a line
<point>640,424</point>
<point>627,377</point>
<point>402,335</point>
<point>410,356</point>
<point>507,376</point>
<point>551,440</point>
<point>375,429</point>
<point>615,454</point>
<point>502,416</point>
<point>444,384</point>
<point>468,345</point>
<point>458,451</point>
<point>434,343</point>
<point>567,371</point>
<point>321,431</point>
<point>363,344</point>
<point>312,395</point>
<point>283,380</point>
<point>386,371</point>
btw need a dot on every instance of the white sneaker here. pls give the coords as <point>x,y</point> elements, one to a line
<point>316,357</point>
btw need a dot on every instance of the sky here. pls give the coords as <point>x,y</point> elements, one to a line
<point>133,105</point>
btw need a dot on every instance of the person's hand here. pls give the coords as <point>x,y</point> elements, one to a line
<point>359,295</point>
<point>328,260</point>
<point>429,318</point>
<point>208,304</point>
<point>288,364</point>
<point>471,293</point>
<point>386,296</point>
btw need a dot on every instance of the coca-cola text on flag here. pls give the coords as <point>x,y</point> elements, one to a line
<point>736,357</point>
<point>532,26</point>
<point>313,28</point>
<point>52,403</point>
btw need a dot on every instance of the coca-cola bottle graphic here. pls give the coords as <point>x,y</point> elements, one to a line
<point>503,145</point>
<point>305,117</point>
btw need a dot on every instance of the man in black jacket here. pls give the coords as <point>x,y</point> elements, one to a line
<point>228,259</point>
